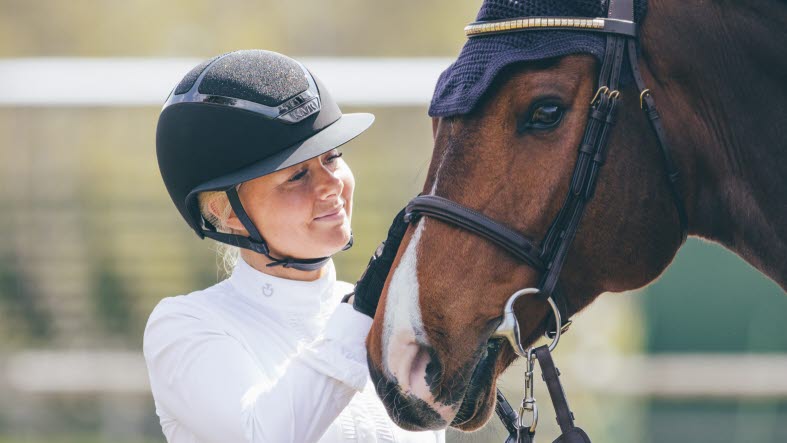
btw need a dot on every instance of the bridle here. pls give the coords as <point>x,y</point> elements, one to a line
<point>549,256</point>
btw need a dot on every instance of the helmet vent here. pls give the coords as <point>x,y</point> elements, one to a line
<point>188,81</point>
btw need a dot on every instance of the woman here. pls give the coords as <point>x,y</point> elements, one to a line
<point>246,145</point>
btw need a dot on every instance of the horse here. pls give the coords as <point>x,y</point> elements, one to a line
<point>717,72</point>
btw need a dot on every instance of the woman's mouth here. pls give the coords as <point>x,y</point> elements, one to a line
<point>333,215</point>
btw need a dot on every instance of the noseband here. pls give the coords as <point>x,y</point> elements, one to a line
<point>549,256</point>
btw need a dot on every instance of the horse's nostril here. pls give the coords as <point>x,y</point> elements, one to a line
<point>434,370</point>
<point>416,367</point>
<point>420,367</point>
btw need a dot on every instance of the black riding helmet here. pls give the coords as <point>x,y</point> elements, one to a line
<point>240,116</point>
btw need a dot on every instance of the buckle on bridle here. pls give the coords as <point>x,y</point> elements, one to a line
<point>601,90</point>
<point>642,97</point>
<point>563,330</point>
<point>612,94</point>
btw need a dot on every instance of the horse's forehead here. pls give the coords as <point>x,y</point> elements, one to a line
<point>462,86</point>
<point>518,83</point>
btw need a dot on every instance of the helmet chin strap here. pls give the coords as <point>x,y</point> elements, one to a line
<point>256,243</point>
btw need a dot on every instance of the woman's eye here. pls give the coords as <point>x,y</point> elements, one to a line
<point>544,117</point>
<point>332,158</point>
<point>298,176</point>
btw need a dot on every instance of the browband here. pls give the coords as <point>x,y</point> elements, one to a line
<point>603,25</point>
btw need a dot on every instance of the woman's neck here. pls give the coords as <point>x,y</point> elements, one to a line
<point>261,262</point>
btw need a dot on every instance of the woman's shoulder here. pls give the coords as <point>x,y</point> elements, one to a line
<point>198,303</point>
<point>187,314</point>
<point>185,319</point>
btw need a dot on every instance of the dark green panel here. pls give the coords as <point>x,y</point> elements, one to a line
<point>710,300</point>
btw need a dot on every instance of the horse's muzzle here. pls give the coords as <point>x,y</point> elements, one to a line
<point>406,410</point>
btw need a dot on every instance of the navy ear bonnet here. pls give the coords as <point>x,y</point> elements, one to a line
<point>462,85</point>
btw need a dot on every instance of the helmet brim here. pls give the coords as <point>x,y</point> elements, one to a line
<point>346,128</point>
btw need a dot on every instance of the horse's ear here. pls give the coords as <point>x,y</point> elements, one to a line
<point>435,121</point>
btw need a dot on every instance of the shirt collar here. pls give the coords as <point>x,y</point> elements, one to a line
<point>283,293</point>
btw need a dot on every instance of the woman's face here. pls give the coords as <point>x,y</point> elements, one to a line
<point>303,211</point>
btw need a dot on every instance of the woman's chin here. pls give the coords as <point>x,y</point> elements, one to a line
<point>335,242</point>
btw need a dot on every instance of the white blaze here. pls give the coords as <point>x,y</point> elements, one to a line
<point>402,314</point>
<point>404,341</point>
<point>403,325</point>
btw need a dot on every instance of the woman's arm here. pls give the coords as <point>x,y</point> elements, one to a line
<point>213,386</point>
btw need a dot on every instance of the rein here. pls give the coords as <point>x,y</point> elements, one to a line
<point>549,257</point>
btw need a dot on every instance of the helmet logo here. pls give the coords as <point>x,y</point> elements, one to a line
<point>299,108</point>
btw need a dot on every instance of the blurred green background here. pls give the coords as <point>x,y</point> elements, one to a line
<point>91,241</point>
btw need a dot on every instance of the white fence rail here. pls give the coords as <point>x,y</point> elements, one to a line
<point>147,81</point>
<point>669,375</point>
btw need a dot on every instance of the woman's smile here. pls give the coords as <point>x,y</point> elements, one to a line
<point>332,215</point>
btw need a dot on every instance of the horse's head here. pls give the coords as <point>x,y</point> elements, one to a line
<point>512,158</point>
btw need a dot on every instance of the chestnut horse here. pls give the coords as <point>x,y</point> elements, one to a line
<point>717,72</point>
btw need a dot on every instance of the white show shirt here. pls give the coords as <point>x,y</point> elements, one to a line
<point>256,358</point>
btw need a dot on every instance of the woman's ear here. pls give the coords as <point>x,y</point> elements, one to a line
<point>233,222</point>
<point>218,207</point>
<point>435,121</point>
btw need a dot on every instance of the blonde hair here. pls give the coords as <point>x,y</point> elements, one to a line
<point>215,208</point>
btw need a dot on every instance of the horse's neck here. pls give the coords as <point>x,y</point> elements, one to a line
<point>719,83</point>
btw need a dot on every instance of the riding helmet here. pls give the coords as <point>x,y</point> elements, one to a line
<point>240,116</point>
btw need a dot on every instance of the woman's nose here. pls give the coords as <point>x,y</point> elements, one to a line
<point>329,183</point>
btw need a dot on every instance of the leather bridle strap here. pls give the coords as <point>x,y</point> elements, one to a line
<point>591,156</point>
<point>565,418</point>
<point>470,220</point>
<point>507,416</point>
<point>649,106</point>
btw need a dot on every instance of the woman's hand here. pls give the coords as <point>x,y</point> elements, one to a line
<point>370,285</point>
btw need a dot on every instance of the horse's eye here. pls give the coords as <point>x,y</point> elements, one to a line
<point>544,117</point>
